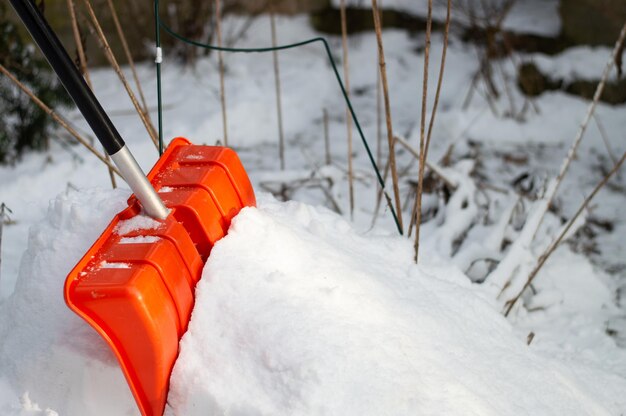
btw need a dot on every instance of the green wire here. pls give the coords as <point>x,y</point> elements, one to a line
<point>160,24</point>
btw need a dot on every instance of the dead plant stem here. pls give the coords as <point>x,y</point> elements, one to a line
<point>108,52</point>
<point>326,137</point>
<point>390,140</point>
<point>420,179</point>
<point>346,75</point>
<point>220,59</point>
<point>555,244</point>
<point>82,59</point>
<point>551,192</point>
<point>130,60</point>
<point>279,107</point>
<point>60,120</point>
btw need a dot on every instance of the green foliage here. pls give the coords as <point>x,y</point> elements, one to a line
<point>23,125</point>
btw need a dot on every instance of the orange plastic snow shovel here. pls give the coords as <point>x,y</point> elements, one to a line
<point>135,284</point>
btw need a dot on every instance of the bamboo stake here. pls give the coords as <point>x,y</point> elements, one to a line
<point>279,109</point>
<point>104,44</point>
<point>326,138</point>
<point>83,67</point>
<point>553,246</point>
<point>390,140</point>
<point>220,58</point>
<point>346,75</point>
<point>62,122</point>
<point>420,178</point>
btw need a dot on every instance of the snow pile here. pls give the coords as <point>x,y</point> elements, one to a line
<point>295,314</point>
<point>50,358</point>
<point>298,314</point>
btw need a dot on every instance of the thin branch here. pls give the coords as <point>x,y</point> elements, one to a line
<point>432,166</point>
<point>583,126</point>
<point>62,122</point>
<point>83,66</point>
<point>420,179</point>
<point>130,60</point>
<point>390,140</point>
<point>3,218</point>
<point>504,276</point>
<point>326,137</point>
<point>605,139</point>
<point>346,75</point>
<point>555,244</point>
<point>79,44</point>
<point>220,59</point>
<point>104,44</point>
<point>279,107</point>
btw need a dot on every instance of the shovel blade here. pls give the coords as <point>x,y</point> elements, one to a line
<point>135,285</point>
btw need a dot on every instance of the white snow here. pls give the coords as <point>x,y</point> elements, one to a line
<point>298,314</point>
<point>138,222</point>
<point>301,312</point>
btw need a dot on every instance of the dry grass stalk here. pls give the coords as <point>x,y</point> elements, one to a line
<point>326,138</point>
<point>555,244</point>
<point>432,119</point>
<point>60,120</point>
<point>504,276</point>
<point>605,139</point>
<point>420,178</point>
<point>583,126</point>
<point>130,60</point>
<point>279,108</point>
<point>77,40</point>
<point>346,76</point>
<point>432,166</point>
<point>390,140</point>
<point>3,217</point>
<point>104,44</point>
<point>220,59</point>
<point>82,59</point>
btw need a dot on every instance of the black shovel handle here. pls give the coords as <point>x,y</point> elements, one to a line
<point>69,75</point>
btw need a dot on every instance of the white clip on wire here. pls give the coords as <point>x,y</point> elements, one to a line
<point>159,55</point>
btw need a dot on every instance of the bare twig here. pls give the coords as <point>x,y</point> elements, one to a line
<point>390,140</point>
<point>605,139</point>
<point>553,246</point>
<point>104,44</point>
<point>432,166</point>
<point>346,75</point>
<point>3,217</point>
<point>77,40</point>
<point>583,126</point>
<point>83,67</point>
<point>130,60</point>
<point>220,59</point>
<point>420,179</point>
<point>279,108</point>
<point>326,138</point>
<point>504,277</point>
<point>62,122</point>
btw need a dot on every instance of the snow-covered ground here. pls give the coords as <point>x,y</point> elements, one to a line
<point>301,311</point>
